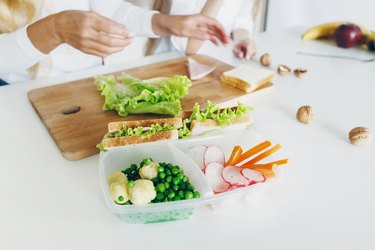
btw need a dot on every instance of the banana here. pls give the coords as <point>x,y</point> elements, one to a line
<point>327,29</point>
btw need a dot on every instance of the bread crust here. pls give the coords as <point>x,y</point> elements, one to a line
<point>116,126</point>
<point>136,139</point>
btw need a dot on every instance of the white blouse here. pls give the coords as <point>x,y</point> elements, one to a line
<point>17,53</point>
<point>233,14</point>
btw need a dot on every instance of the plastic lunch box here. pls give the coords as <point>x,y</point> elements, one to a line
<point>174,151</point>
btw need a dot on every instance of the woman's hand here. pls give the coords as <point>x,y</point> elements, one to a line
<point>244,47</point>
<point>86,31</point>
<point>194,26</point>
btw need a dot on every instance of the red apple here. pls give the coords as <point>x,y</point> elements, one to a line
<point>347,35</point>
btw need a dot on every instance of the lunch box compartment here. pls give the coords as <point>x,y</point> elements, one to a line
<point>119,159</point>
<point>175,152</point>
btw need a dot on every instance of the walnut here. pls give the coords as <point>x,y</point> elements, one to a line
<point>300,72</point>
<point>305,114</point>
<point>283,70</point>
<point>360,136</point>
<point>266,60</point>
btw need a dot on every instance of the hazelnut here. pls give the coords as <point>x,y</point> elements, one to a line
<point>266,60</point>
<point>300,72</point>
<point>360,136</point>
<point>305,114</point>
<point>283,70</point>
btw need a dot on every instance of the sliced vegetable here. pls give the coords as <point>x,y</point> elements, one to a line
<point>197,155</point>
<point>253,151</point>
<point>233,176</point>
<point>263,155</point>
<point>214,154</point>
<point>233,159</point>
<point>253,176</point>
<point>213,173</point>
<point>268,170</point>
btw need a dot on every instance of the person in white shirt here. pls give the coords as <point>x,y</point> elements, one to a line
<point>51,37</point>
<point>235,16</point>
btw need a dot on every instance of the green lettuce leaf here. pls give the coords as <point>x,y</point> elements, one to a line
<point>134,96</point>
<point>140,131</point>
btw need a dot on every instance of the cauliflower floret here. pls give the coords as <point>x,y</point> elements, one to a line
<point>117,176</point>
<point>142,193</point>
<point>119,192</point>
<point>149,171</point>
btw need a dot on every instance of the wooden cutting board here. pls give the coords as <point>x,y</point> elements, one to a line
<point>72,112</point>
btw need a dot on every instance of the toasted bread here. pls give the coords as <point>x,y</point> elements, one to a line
<point>123,141</point>
<point>116,126</point>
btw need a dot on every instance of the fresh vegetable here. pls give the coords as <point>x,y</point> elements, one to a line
<point>213,154</point>
<point>232,175</point>
<point>252,151</point>
<point>263,155</point>
<point>142,193</point>
<point>134,96</point>
<point>233,159</point>
<point>118,182</point>
<point>152,182</point>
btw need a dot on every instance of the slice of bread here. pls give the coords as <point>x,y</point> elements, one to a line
<point>123,141</point>
<point>198,128</point>
<point>116,126</point>
<point>247,78</point>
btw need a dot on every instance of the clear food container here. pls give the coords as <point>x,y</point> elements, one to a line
<point>175,151</point>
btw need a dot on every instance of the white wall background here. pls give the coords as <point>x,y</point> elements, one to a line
<point>286,13</point>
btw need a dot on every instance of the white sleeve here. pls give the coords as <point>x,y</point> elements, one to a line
<point>245,16</point>
<point>17,52</point>
<point>136,19</point>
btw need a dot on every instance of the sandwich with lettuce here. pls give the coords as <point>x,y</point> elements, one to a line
<point>199,122</point>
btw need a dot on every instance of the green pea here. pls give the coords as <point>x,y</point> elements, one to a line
<point>171,195</point>
<point>162,175</point>
<point>161,187</point>
<point>188,195</point>
<point>127,171</point>
<point>176,181</point>
<point>175,171</point>
<point>181,194</point>
<point>185,179</point>
<point>169,179</point>
<point>170,165</point>
<point>177,198</point>
<point>131,184</point>
<point>168,172</point>
<point>175,188</point>
<point>160,169</point>
<point>167,185</point>
<point>180,176</point>
<point>165,199</point>
<point>133,167</point>
<point>182,186</point>
<point>196,194</point>
<point>190,187</point>
<point>155,180</point>
<point>160,196</point>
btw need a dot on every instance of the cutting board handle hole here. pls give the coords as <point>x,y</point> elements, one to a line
<point>71,110</point>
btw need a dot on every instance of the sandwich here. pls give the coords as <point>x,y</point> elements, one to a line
<point>135,132</point>
<point>214,118</point>
<point>247,78</point>
<point>195,123</point>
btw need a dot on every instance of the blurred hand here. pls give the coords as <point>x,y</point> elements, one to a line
<point>245,49</point>
<point>86,31</point>
<point>194,26</point>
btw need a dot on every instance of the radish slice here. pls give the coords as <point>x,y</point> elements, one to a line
<point>253,176</point>
<point>214,154</point>
<point>197,155</point>
<point>233,176</point>
<point>213,174</point>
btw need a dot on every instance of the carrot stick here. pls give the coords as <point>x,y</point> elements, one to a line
<point>236,153</point>
<point>266,169</point>
<point>263,155</point>
<point>266,165</point>
<point>254,150</point>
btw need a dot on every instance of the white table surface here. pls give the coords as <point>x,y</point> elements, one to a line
<point>325,201</point>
